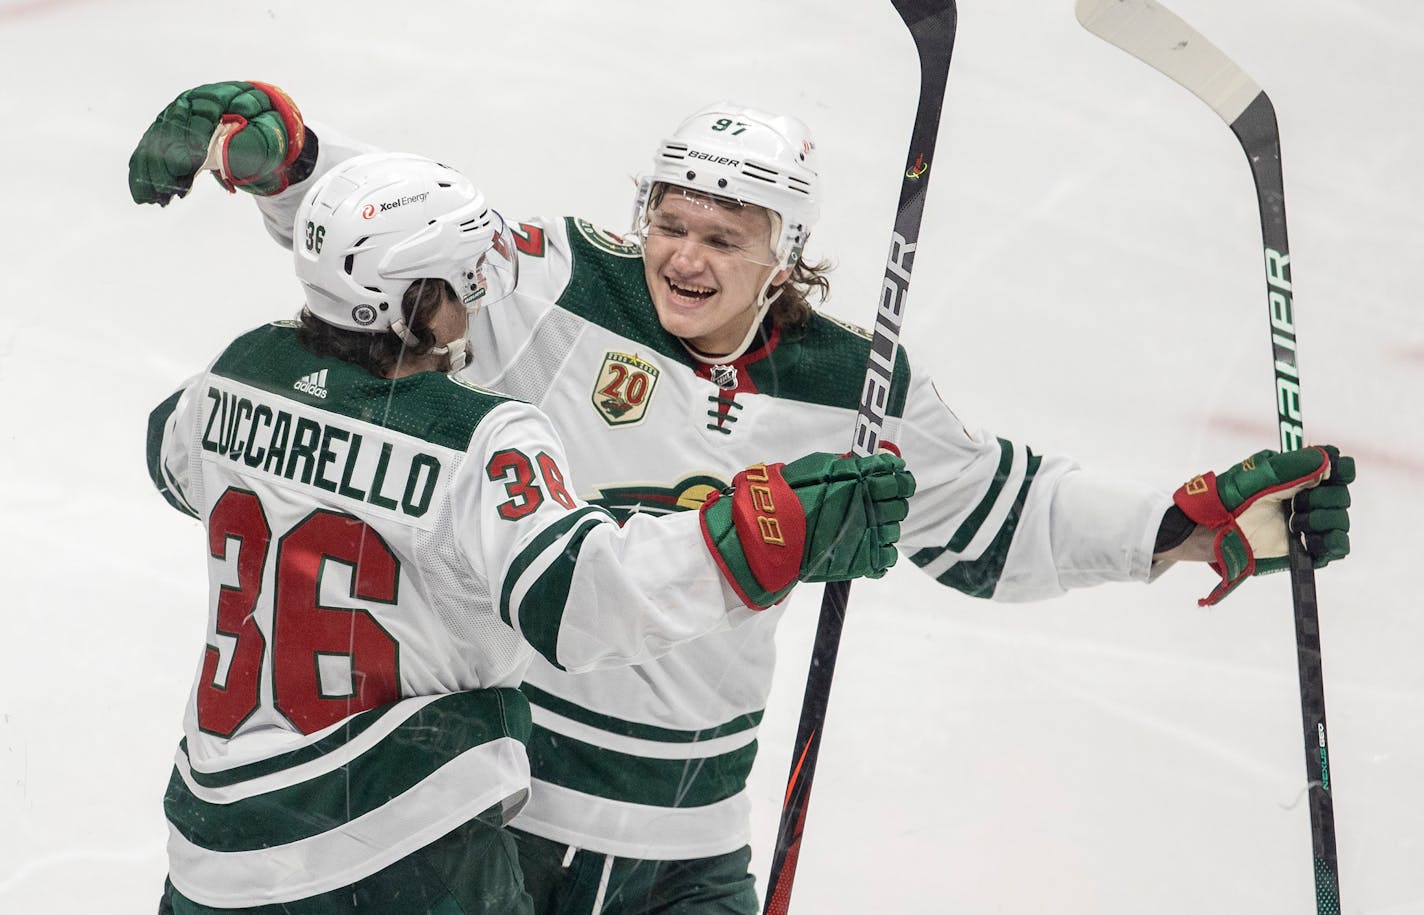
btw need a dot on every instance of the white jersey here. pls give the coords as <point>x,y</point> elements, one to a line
<point>651,762</point>
<point>385,558</point>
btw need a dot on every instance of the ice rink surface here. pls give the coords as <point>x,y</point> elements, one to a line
<point>1088,281</point>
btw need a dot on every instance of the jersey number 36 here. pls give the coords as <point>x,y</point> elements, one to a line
<point>305,635</point>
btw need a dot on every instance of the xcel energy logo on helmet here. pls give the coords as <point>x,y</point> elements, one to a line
<point>371,209</point>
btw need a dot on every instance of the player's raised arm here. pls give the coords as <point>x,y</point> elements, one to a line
<point>250,135</point>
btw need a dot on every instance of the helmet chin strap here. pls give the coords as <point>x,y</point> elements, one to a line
<point>736,351</point>
<point>459,350</point>
<point>764,303</point>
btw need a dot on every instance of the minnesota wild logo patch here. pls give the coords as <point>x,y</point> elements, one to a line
<point>629,499</point>
<point>605,240</point>
<point>624,388</point>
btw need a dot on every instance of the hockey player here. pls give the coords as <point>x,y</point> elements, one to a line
<point>673,357</point>
<point>390,545</point>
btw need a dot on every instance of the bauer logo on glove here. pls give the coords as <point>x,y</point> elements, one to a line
<point>819,518</point>
<point>1254,509</point>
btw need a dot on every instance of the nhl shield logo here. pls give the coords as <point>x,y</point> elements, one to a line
<point>624,388</point>
<point>724,376</point>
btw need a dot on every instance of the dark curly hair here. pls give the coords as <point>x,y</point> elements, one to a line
<point>379,353</point>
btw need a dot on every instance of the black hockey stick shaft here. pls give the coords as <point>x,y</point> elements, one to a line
<point>932,26</point>
<point>1260,138</point>
<point>1155,35</point>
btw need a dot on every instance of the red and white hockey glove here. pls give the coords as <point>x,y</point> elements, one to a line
<point>822,517</point>
<point>1255,508</point>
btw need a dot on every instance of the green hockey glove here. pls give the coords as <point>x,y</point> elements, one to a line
<point>819,518</point>
<point>249,134</point>
<point>1254,509</point>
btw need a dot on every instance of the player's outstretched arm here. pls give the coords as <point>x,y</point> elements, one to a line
<point>249,134</point>
<point>1236,520</point>
<point>819,518</point>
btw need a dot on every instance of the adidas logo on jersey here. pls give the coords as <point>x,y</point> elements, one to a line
<point>313,384</point>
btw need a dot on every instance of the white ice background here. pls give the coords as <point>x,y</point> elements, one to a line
<point>1089,281</point>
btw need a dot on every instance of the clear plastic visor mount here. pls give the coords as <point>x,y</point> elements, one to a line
<point>495,276</point>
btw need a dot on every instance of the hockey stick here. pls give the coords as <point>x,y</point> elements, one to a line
<point>932,25</point>
<point>1156,36</point>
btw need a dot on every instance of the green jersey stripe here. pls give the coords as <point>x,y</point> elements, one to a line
<point>344,735</point>
<point>971,524</point>
<point>531,553</point>
<point>975,520</point>
<point>156,471</point>
<point>623,728</point>
<point>431,738</point>
<point>979,578</point>
<point>541,608</point>
<point>964,535</point>
<point>583,767</point>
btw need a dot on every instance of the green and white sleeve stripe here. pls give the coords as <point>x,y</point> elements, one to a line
<point>973,559</point>
<point>536,587</point>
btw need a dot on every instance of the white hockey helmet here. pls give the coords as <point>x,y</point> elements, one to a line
<point>746,155</point>
<point>374,224</point>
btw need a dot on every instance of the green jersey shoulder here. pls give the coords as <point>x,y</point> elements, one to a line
<point>432,405</point>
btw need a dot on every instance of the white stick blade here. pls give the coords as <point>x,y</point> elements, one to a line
<point>1158,37</point>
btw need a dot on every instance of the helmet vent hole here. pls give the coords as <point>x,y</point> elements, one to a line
<point>360,241</point>
<point>443,184</point>
<point>350,259</point>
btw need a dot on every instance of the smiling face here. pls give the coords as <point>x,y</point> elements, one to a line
<point>705,262</point>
